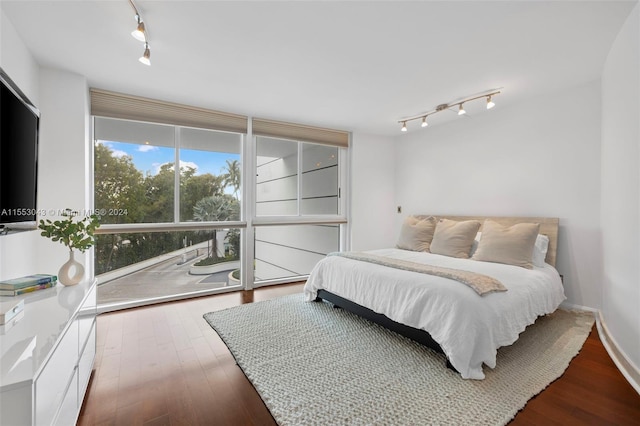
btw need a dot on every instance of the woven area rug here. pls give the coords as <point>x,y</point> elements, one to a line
<point>316,365</point>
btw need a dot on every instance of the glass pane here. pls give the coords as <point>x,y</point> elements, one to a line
<point>319,180</point>
<point>292,250</point>
<point>276,177</point>
<point>210,175</point>
<point>148,265</point>
<point>133,176</point>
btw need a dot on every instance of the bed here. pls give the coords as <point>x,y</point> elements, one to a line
<point>437,311</point>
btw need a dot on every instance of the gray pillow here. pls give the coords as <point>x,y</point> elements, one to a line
<point>416,234</point>
<point>453,238</point>
<point>512,245</point>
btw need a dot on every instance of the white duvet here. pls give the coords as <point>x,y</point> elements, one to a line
<point>469,328</point>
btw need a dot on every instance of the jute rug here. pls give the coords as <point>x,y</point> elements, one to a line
<point>315,365</point>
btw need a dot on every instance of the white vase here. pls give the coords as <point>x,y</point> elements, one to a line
<point>72,272</point>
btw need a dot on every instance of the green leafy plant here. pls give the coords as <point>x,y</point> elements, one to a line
<point>72,232</point>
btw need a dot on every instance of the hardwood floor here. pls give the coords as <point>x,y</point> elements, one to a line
<point>164,365</point>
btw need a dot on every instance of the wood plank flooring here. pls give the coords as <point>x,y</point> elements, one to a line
<point>164,365</point>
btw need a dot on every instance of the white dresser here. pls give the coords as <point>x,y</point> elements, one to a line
<point>47,357</point>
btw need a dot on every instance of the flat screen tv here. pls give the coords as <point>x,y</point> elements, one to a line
<point>19,123</point>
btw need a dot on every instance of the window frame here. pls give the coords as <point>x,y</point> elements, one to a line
<point>248,220</point>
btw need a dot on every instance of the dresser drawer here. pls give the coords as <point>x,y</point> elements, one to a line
<point>86,317</point>
<point>54,379</point>
<point>67,415</point>
<point>85,364</point>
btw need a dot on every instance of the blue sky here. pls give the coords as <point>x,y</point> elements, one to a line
<point>149,158</point>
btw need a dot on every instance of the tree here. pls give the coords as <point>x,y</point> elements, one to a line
<point>233,238</point>
<point>118,186</point>
<point>159,190</point>
<point>232,176</point>
<point>216,208</point>
<point>196,187</point>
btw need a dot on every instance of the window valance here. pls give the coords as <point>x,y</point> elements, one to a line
<point>279,129</point>
<point>118,105</point>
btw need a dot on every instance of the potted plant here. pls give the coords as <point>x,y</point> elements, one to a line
<point>76,234</point>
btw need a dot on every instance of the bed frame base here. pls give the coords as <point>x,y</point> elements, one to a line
<point>415,334</point>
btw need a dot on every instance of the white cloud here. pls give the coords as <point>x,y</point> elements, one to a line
<point>191,164</point>
<point>147,148</point>
<point>114,152</point>
<point>183,165</point>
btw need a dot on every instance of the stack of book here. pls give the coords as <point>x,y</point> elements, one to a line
<point>27,284</point>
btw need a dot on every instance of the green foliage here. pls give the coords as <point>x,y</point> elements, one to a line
<point>233,238</point>
<point>73,233</point>
<point>118,185</point>
<point>193,188</point>
<point>236,274</point>
<point>158,195</point>
<point>208,261</point>
<point>232,176</point>
<point>149,198</point>
<point>213,209</point>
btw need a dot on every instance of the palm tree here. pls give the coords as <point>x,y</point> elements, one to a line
<point>216,208</point>
<point>232,176</point>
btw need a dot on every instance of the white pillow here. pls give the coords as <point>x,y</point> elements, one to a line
<point>539,249</point>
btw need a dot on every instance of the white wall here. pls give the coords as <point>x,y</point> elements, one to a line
<point>16,250</point>
<point>372,192</point>
<point>64,154</point>
<point>621,189</point>
<point>65,157</point>
<point>540,157</point>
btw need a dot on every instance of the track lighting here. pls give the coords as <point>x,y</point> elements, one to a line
<point>145,58</point>
<point>139,33</point>
<point>490,103</point>
<point>488,95</point>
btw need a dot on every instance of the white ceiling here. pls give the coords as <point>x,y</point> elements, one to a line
<point>350,65</point>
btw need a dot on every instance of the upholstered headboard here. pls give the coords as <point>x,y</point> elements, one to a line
<point>548,227</point>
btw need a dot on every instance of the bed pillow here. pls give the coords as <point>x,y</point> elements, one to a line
<point>540,250</point>
<point>511,245</point>
<point>416,234</point>
<point>452,238</point>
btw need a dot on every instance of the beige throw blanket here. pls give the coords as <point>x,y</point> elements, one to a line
<point>481,284</point>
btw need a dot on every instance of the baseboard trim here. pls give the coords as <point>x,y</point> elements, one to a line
<point>626,367</point>
<point>574,307</point>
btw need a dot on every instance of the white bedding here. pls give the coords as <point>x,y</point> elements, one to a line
<point>468,327</point>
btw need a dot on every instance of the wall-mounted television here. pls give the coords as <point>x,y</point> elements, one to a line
<point>19,124</point>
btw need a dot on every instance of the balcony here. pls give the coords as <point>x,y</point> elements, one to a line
<point>167,276</point>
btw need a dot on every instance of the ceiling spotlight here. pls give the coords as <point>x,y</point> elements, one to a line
<point>145,58</point>
<point>490,103</point>
<point>139,33</point>
<point>487,96</point>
